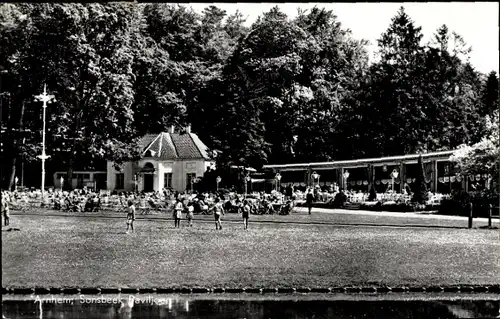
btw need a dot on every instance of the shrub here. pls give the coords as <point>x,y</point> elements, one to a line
<point>373,194</point>
<point>458,203</point>
<point>396,207</point>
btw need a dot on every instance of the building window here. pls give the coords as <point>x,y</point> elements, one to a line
<point>167,181</point>
<point>189,178</point>
<point>120,181</point>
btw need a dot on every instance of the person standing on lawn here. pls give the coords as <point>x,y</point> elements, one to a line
<point>5,209</point>
<point>245,212</point>
<point>218,211</point>
<point>190,213</point>
<point>178,209</point>
<point>309,200</point>
<point>130,216</point>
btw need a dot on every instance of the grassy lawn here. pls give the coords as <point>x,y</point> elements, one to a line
<point>88,252</point>
<point>327,216</point>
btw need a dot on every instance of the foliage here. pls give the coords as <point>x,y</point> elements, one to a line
<point>481,157</point>
<point>458,204</point>
<point>489,95</point>
<point>283,90</point>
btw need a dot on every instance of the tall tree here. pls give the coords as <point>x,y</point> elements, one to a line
<point>395,91</point>
<point>17,115</point>
<point>83,54</point>
<point>489,95</point>
<point>450,86</point>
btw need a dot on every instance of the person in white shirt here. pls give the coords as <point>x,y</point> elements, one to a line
<point>178,208</point>
<point>218,211</point>
<point>190,213</point>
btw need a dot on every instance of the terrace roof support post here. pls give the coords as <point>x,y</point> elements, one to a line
<point>402,176</point>
<point>308,177</point>
<point>342,179</point>
<point>434,176</point>
<point>371,176</point>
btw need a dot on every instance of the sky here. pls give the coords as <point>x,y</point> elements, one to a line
<point>476,22</point>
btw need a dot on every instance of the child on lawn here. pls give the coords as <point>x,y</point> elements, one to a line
<point>218,210</point>
<point>130,216</point>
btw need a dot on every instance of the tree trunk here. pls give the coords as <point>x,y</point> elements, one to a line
<point>69,175</point>
<point>12,173</point>
<point>15,149</point>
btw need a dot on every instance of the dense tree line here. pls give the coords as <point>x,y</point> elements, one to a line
<point>282,90</point>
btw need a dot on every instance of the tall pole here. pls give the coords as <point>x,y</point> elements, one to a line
<point>22,165</point>
<point>45,98</point>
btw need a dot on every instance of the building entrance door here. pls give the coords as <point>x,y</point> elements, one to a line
<point>148,183</point>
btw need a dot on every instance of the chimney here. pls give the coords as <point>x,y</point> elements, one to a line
<point>172,129</point>
<point>188,129</point>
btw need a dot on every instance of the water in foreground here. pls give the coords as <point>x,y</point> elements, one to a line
<point>248,306</point>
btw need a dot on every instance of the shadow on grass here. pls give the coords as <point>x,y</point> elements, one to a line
<point>488,227</point>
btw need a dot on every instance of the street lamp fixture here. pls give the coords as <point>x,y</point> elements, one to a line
<point>247,179</point>
<point>394,175</point>
<point>45,98</point>
<point>278,179</point>
<point>346,176</point>
<point>218,180</point>
<point>315,176</point>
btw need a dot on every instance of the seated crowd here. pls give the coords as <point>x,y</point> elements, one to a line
<point>84,200</point>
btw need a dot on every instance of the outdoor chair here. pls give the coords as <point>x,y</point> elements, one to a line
<point>143,207</point>
<point>156,207</point>
<point>286,209</point>
<point>19,205</point>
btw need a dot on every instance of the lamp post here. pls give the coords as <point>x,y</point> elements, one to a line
<point>247,180</point>
<point>278,179</point>
<point>314,175</point>
<point>346,176</point>
<point>218,180</point>
<point>135,183</point>
<point>394,175</point>
<point>45,98</point>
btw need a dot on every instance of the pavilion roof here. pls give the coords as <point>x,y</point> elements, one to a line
<point>173,146</point>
